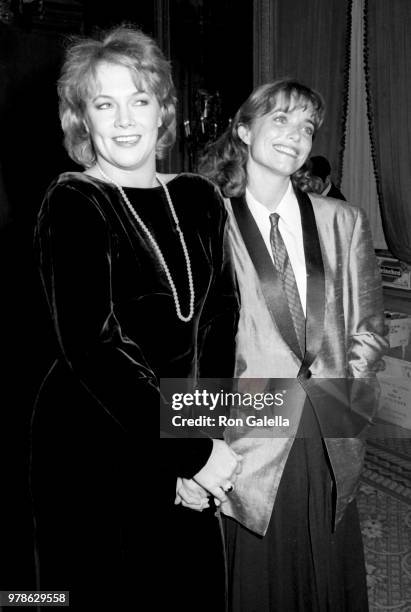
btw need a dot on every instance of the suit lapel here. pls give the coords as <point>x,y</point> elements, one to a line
<point>315,279</point>
<point>270,281</point>
<point>271,284</point>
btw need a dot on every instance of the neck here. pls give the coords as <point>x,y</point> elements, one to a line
<point>142,177</point>
<point>268,190</point>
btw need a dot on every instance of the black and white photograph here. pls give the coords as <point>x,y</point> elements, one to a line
<point>205,229</point>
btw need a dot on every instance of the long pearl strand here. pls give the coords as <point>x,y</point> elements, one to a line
<point>157,249</point>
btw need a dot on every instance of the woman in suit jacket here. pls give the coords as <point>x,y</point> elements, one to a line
<point>292,528</point>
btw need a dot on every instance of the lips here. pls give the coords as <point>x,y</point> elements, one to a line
<point>286,150</point>
<point>127,140</point>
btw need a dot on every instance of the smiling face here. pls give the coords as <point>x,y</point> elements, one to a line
<point>123,123</point>
<point>280,141</point>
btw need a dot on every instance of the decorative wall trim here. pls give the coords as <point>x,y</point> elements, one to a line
<point>370,117</point>
<point>346,93</point>
<point>162,25</point>
<point>162,35</point>
<point>264,35</point>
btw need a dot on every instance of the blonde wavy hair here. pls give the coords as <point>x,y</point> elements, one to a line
<point>125,46</point>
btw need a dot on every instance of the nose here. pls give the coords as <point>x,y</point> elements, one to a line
<point>124,117</point>
<point>294,133</point>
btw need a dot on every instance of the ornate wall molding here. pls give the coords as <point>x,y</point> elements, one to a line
<point>163,37</point>
<point>264,35</point>
<point>162,25</point>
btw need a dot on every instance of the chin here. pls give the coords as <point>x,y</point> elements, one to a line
<point>128,164</point>
<point>286,171</point>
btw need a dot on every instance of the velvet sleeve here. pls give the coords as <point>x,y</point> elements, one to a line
<point>219,316</point>
<point>219,319</point>
<point>75,246</point>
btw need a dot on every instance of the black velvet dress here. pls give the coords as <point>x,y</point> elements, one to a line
<point>103,487</point>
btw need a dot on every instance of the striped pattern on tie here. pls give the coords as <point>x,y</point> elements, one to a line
<point>283,266</point>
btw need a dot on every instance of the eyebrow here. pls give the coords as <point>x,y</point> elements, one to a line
<point>104,95</point>
<point>290,110</point>
<point>101,95</point>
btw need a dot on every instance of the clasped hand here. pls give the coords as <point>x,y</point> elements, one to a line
<point>216,477</point>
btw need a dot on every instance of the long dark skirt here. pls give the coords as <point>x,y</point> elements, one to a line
<point>107,529</point>
<point>300,565</point>
<point>85,512</point>
<point>191,563</point>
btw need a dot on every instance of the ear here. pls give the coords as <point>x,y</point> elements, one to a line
<point>244,133</point>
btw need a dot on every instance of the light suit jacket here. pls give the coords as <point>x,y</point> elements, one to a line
<point>344,343</point>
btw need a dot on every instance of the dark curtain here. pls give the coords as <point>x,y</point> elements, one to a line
<point>310,41</point>
<point>388,55</point>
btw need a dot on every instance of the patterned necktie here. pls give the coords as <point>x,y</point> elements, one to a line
<point>283,266</point>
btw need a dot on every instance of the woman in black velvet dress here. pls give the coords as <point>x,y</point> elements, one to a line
<point>139,288</point>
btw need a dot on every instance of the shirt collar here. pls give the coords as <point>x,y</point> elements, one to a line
<point>287,208</point>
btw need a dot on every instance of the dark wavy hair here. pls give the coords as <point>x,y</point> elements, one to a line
<point>125,46</point>
<point>224,161</point>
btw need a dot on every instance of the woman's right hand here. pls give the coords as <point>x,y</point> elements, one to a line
<point>220,472</point>
<point>191,495</point>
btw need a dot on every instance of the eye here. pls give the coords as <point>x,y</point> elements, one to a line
<point>103,105</point>
<point>280,119</point>
<point>141,102</point>
<point>309,130</point>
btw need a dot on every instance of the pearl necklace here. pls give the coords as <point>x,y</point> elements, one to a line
<point>157,249</point>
